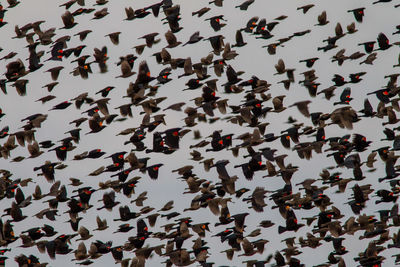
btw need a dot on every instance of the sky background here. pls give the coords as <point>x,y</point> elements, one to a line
<point>252,59</point>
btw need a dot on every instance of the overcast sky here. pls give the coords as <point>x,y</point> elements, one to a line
<point>252,60</point>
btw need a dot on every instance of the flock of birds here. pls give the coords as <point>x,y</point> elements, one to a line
<point>237,173</point>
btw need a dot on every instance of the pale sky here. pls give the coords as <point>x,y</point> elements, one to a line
<point>252,59</point>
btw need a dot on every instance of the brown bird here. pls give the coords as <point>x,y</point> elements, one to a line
<point>370,59</point>
<point>55,72</point>
<point>305,8</point>
<point>322,20</point>
<point>81,252</point>
<point>114,37</point>
<point>68,20</point>
<point>15,70</point>
<point>34,150</point>
<point>150,39</point>
<point>101,224</point>
<point>201,11</point>
<point>278,103</point>
<point>100,13</point>
<point>20,86</point>
<point>84,233</point>
<point>280,67</point>
<point>46,98</point>
<point>126,70</point>
<point>83,34</point>
<point>171,40</point>
<point>302,106</point>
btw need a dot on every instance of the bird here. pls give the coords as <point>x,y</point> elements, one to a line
<point>383,42</point>
<point>68,20</point>
<point>171,39</point>
<point>55,72</point>
<point>194,38</point>
<point>322,19</point>
<point>358,13</point>
<point>201,11</point>
<point>245,5</point>
<point>109,201</point>
<point>114,37</point>
<point>101,13</point>
<point>61,106</point>
<point>305,8</point>
<point>126,70</point>
<point>370,59</point>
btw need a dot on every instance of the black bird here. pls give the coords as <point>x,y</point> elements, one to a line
<point>383,42</point>
<point>345,97</point>
<point>215,22</point>
<point>105,91</point>
<point>368,46</point>
<point>310,61</point>
<point>291,221</point>
<point>62,105</point>
<point>245,5</point>
<point>153,170</point>
<point>338,80</point>
<point>172,137</point>
<point>47,170</point>
<point>381,1</point>
<point>358,13</point>
<point>126,214</point>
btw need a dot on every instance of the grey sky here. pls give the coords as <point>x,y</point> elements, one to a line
<point>252,59</point>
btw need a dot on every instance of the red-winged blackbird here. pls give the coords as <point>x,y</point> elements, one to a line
<point>117,253</point>
<point>345,97</point>
<point>310,61</point>
<point>383,42</point>
<point>368,46</point>
<point>57,52</point>
<point>338,80</point>
<point>158,143</point>
<point>142,230</point>
<point>85,194</point>
<point>103,248</point>
<point>95,153</point>
<point>172,137</point>
<point>291,222</point>
<point>356,77</point>
<point>153,170</point>
<point>217,144</point>
<point>358,13</point>
<point>215,22</point>
<point>143,76</point>
<point>162,77</point>
<point>251,25</point>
